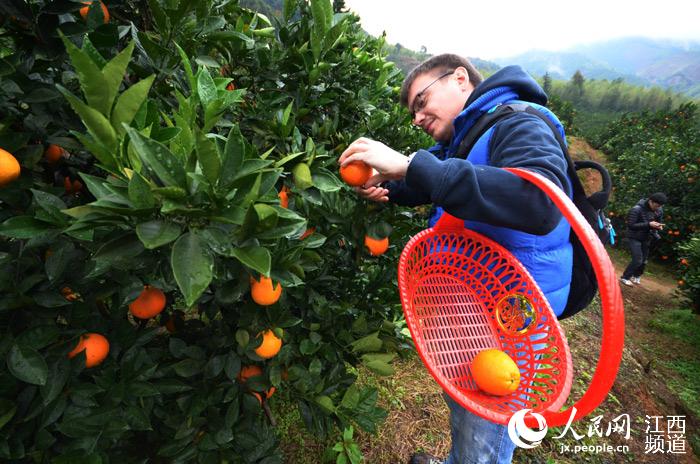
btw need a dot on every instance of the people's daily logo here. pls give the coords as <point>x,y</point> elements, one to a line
<point>522,435</point>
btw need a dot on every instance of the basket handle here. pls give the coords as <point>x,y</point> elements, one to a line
<point>448,222</point>
<point>611,300</point>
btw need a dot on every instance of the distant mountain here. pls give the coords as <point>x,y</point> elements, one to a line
<point>666,63</point>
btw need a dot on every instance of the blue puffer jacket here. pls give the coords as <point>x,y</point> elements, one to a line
<point>492,201</point>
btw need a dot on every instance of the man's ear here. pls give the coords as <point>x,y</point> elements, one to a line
<point>462,77</point>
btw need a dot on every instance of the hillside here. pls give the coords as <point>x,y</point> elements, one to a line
<point>669,64</point>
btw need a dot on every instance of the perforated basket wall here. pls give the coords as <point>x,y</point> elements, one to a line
<point>463,293</point>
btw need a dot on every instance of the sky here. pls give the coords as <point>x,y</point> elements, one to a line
<point>491,29</point>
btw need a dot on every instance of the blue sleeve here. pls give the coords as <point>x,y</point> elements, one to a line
<point>403,195</point>
<point>489,194</point>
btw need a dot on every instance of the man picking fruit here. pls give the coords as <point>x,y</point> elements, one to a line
<point>446,95</point>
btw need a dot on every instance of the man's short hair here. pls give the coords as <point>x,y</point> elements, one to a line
<point>658,197</point>
<point>439,64</point>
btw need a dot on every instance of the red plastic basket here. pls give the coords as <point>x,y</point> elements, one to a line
<point>462,293</point>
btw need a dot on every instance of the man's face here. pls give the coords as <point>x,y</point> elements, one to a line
<point>437,98</point>
<point>654,205</point>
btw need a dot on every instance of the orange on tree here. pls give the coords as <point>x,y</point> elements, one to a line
<point>86,9</point>
<point>270,345</point>
<point>148,304</point>
<point>376,246</point>
<point>495,372</point>
<point>307,233</point>
<point>9,167</point>
<point>264,292</point>
<point>53,153</point>
<point>356,173</point>
<point>284,197</point>
<point>248,372</point>
<point>253,371</point>
<point>230,86</point>
<point>268,394</point>
<point>68,293</point>
<point>96,349</point>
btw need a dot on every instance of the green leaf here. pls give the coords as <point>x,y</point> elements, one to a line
<point>7,410</point>
<point>206,88</point>
<point>113,73</point>
<point>129,103</point>
<point>188,68</point>
<point>234,154</point>
<point>58,373</point>
<point>155,233</point>
<point>242,338</point>
<point>22,227</point>
<point>267,216</point>
<point>371,342</point>
<point>120,249</point>
<point>96,123</point>
<point>140,192</point>
<point>103,154</point>
<point>159,158</point>
<point>289,7</point>
<point>192,266</point>
<point>326,403</point>
<point>326,181</point>
<point>379,367</point>
<point>27,365</point>
<point>96,185</point>
<point>208,157</point>
<point>351,397</point>
<point>255,257</point>
<point>92,81</point>
<point>187,367</point>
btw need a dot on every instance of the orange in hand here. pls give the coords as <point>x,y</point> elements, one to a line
<point>148,304</point>
<point>96,349</point>
<point>356,173</point>
<point>264,292</point>
<point>495,372</point>
<point>376,246</point>
<point>9,167</point>
<point>270,345</point>
<point>86,9</point>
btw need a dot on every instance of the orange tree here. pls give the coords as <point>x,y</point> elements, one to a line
<point>653,152</point>
<point>183,122</point>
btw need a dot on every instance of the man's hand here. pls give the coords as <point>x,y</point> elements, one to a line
<point>656,225</point>
<point>389,164</point>
<point>378,194</point>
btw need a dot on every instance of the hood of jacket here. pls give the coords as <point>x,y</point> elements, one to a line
<point>509,83</point>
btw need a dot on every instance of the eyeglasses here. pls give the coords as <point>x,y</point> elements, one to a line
<point>420,100</point>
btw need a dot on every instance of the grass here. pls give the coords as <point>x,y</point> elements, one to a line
<point>683,325</point>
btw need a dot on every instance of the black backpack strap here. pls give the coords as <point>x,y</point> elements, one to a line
<point>598,200</point>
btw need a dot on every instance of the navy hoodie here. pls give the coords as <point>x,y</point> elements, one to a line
<point>486,193</point>
<point>492,201</point>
